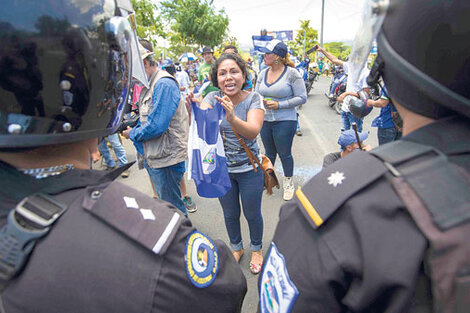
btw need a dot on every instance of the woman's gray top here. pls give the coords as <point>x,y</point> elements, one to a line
<point>237,159</point>
<point>289,90</point>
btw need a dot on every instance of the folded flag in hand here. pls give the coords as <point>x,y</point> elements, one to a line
<point>207,162</point>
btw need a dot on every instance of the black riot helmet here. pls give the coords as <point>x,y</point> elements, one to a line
<point>425,49</point>
<point>65,70</point>
<point>358,107</point>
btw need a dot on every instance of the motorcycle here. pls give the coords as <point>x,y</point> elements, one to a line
<point>308,74</point>
<point>337,87</point>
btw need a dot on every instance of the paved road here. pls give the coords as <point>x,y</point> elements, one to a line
<point>321,128</point>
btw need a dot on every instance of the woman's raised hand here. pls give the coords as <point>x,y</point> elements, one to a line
<point>228,106</point>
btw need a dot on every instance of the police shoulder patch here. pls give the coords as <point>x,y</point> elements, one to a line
<point>201,259</point>
<point>277,291</point>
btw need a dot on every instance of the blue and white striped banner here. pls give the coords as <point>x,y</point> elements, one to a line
<point>260,42</point>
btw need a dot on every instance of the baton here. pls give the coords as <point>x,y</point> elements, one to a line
<point>354,126</point>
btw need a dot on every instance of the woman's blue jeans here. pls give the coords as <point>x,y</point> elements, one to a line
<point>248,187</point>
<point>277,138</point>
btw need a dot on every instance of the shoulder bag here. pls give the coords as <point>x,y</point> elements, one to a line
<point>270,179</point>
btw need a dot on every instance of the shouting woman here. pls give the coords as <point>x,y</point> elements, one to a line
<point>244,114</point>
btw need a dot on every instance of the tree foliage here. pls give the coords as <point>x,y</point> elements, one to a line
<point>338,49</point>
<point>229,40</point>
<point>196,22</point>
<point>306,33</point>
<point>149,24</point>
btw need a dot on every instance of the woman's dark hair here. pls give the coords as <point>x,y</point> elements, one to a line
<point>228,56</point>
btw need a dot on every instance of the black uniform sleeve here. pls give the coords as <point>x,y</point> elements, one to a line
<point>176,293</point>
<point>310,264</point>
<point>367,257</point>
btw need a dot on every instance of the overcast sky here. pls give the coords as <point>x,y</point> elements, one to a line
<point>248,17</point>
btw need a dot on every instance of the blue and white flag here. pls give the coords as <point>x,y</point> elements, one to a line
<point>260,42</point>
<point>284,35</point>
<point>207,162</point>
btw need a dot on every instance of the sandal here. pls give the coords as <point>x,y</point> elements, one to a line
<point>255,267</point>
<point>237,254</point>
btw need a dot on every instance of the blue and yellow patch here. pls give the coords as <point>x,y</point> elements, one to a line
<point>201,259</point>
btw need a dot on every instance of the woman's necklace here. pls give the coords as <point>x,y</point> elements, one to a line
<point>43,172</point>
<point>239,98</point>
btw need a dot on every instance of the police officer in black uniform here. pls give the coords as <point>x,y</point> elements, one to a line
<point>376,231</point>
<point>74,239</point>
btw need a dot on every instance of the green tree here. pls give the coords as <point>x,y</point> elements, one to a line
<point>196,22</point>
<point>229,40</point>
<point>148,20</point>
<point>338,49</point>
<point>306,34</point>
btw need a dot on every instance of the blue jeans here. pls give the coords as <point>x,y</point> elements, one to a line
<point>334,84</point>
<point>118,150</point>
<point>248,187</point>
<point>277,138</point>
<point>386,135</point>
<point>167,185</point>
<point>347,119</point>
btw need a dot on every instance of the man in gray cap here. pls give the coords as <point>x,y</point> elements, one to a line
<point>162,133</point>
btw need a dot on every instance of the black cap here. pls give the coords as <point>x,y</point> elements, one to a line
<point>207,50</point>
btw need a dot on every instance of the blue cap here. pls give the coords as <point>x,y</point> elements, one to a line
<point>348,137</point>
<point>275,46</point>
<point>167,63</point>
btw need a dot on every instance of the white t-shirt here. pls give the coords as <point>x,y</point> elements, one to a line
<point>356,87</point>
<point>183,80</point>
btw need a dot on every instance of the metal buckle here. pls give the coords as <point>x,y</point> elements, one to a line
<point>40,209</point>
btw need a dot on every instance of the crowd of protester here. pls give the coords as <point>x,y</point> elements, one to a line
<point>376,230</point>
<point>269,111</point>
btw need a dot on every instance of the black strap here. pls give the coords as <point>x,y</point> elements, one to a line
<point>438,183</point>
<point>36,211</point>
<point>26,224</point>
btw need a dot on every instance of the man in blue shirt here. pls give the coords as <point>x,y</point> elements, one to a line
<point>386,132</point>
<point>162,133</point>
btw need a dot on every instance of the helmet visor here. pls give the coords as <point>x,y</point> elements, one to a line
<point>373,15</point>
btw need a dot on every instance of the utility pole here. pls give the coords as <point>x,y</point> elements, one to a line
<point>305,39</point>
<point>322,18</point>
